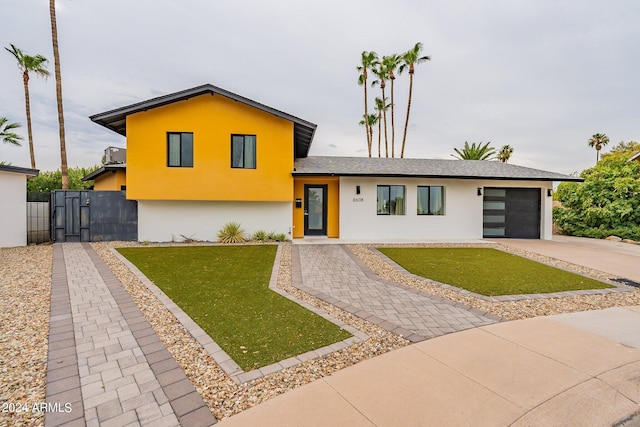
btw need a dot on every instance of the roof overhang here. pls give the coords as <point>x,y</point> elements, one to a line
<point>103,170</point>
<point>16,169</point>
<point>116,120</point>
<point>439,176</point>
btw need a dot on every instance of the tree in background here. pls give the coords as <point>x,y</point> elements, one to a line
<point>630,148</point>
<point>475,152</point>
<point>49,181</point>
<point>369,122</point>
<point>382,73</point>
<point>368,61</point>
<point>606,203</point>
<point>505,153</point>
<point>29,64</point>
<point>56,58</point>
<point>7,134</point>
<point>391,63</point>
<point>598,141</point>
<point>380,107</point>
<point>409,60</point>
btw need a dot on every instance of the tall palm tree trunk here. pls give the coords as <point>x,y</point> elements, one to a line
<point>384,118</point>
<point>379,133</point>
<point>406,123</point>
<point>25,79</point>
<point>393,126</point>
<point>367,127</point>
<point>56,58</point>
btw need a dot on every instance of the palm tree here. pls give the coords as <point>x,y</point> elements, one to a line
<point>475,152</point>
<point>410,59</point>
<point>505,153</point>
<point>598,141</point>
<point>391,63</point>
<point>56,58</point>
<point>382,73</point>
<point>370,121</point>
<point>7,136</point>
<point>368,60</point>
<point>380,107</point>
<point>29,64</point>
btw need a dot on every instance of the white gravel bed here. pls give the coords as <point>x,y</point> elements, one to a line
<point>222,395</point>
<point>25,289</point>
<point>508,310</point>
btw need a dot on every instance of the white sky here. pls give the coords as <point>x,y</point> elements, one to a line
<point>541,76</point>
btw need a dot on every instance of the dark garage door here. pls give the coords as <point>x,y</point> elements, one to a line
<point>511,212</point>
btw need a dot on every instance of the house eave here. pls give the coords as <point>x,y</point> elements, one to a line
<point>116,119</point>
<point>429,176</point>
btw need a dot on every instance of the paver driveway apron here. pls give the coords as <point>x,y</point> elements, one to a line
<point>332,272</point>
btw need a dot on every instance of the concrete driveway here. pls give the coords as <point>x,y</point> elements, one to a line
<point>616,258</point>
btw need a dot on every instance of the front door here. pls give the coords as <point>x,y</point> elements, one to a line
<point>315,210</point>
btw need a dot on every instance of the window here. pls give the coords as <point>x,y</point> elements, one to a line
<point>243,151</point>
<point>180,149</point>
<point>390,199</point>
<point>431,200</point>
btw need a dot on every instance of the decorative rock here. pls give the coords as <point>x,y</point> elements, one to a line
<point>631,242</point>
<point>614,238</point>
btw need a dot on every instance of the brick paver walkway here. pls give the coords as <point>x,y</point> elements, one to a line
<point>106,364</point>
<point>334,274</point>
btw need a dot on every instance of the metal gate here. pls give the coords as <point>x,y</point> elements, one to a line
<point>93,216</point>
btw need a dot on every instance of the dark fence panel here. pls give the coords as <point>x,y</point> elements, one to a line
<point>38,214</point>
<point>93,216</point>
<point>112,217</point>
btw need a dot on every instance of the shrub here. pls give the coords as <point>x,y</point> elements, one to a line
<point>260,236</point>
<point>231,233</point>
<point>606,203</point>
<point>279,237</point>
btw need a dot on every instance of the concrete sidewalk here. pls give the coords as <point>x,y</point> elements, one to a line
<point>580,369</point>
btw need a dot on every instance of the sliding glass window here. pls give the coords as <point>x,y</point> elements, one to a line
<point>243,151</point>
<point>430,200</point>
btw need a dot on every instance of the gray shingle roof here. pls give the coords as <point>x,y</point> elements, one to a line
<point>422,168</point>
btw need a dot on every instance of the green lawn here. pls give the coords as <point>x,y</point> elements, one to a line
<point>225,290</point>
<point>487,271</point>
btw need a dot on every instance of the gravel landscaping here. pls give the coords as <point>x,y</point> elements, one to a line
<point>25,275</point>
<point>25,287</point>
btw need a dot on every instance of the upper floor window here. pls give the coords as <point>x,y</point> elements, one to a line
<point>390,199</point>
<point>243,151</point>
<point>431,200</point>
<point>180,149</point>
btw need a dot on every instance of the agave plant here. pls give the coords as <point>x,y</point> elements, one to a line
<point>260,236</point>
<point>231,232</point>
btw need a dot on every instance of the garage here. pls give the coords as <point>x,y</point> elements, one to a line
<point>511,213</point>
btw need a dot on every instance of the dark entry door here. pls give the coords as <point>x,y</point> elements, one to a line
<point>315,210</point>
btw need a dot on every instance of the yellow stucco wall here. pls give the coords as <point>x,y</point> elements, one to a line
<point>212,119</point>
<point>110,181</point>
<point>333,204</point>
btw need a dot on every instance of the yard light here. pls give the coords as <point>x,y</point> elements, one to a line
<point>479,191</point>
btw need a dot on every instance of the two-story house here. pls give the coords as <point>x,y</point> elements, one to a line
<point>202,157</point>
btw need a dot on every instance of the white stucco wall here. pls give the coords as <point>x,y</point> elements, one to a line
<point>463,210</point>
<point>164,221</point>
<point>13,209</point>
